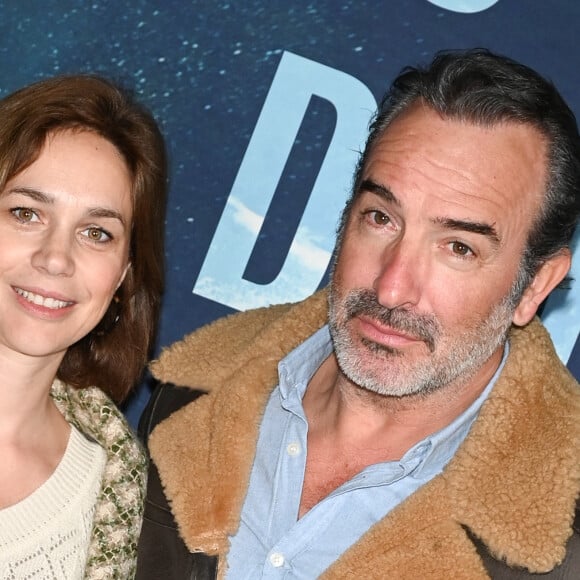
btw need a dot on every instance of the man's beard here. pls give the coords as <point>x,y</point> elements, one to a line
<point>452,357</point>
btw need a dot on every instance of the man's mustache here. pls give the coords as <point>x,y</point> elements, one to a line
<point>421,326</point>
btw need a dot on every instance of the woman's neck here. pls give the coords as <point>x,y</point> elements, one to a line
<point>25,404</point>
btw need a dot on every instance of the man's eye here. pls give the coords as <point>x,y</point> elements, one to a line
<point>379,218</point>
<point>97,234</point>
<point>24,214</point>
<point>461,249</point>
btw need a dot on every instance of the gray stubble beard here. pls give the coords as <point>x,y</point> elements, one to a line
<point>450,359</point>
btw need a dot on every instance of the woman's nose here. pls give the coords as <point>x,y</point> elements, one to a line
<point>54,254</point>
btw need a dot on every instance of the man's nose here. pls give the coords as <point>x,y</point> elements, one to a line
<point>54,256</point>
<point>400,279</point>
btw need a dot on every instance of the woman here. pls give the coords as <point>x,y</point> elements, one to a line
<point>82,197</point>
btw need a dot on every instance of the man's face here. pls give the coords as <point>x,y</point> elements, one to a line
<point>421,294</point>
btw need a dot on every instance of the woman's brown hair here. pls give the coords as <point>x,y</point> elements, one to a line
<point>114,354</point>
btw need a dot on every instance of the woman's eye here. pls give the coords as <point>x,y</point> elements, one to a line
<point>461,249</point>
<point>97,234</point>
<point>24,214</point>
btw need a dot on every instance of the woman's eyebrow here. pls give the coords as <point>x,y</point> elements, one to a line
<point>34,194</point>
<point>43,197</point>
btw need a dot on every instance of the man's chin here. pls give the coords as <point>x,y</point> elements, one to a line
<point>397,384</point>
<point>391,391</point>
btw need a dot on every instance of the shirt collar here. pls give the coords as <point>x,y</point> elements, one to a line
<point>297,368</point>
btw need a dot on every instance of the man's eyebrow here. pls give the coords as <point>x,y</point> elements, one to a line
<point>481,228</point>
<point>380,190</point>
<point>41,197</point>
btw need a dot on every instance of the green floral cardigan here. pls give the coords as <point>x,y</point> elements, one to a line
<point>118,514</point>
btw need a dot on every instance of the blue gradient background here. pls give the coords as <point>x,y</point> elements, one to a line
<point>205,68</point>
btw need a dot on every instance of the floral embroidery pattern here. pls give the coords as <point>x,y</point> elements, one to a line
<point>119,511</point>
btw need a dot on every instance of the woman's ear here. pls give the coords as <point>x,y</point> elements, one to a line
<point>123,274</point>
<point>549,275</point>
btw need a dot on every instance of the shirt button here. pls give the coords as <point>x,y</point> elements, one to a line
<point>277,559</point>
<point>293,449</point>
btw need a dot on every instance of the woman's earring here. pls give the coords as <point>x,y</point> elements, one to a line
<point>110,319</point>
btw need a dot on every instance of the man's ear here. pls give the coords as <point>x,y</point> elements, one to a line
<point>550,274</point>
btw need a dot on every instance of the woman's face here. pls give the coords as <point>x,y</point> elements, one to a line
<point>65,224</point>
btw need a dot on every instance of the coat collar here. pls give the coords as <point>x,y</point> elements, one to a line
<point>513,482</point>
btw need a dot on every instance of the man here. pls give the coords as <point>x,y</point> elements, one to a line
<point>415,421</point>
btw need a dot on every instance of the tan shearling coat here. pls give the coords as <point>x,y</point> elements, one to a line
<point>513,482</point>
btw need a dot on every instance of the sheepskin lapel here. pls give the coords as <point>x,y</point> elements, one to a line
<point>205,451</point>
<point>513,482</point>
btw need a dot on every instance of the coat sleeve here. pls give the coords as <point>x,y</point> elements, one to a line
<point>161,551</point>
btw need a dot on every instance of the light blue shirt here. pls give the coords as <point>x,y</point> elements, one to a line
<point>271,542</point>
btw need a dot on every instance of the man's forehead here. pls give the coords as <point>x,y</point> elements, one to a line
<point>496,150</point>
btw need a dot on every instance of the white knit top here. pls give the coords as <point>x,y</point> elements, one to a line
<point>46,535</point>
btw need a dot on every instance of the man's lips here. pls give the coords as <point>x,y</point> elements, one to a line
<point>386,335</point>
<point>393,327</point>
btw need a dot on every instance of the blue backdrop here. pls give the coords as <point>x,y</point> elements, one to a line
<point>265,104</point>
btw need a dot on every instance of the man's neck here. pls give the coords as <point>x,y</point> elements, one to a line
<point>344,411</point>
<point>350,428</point>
